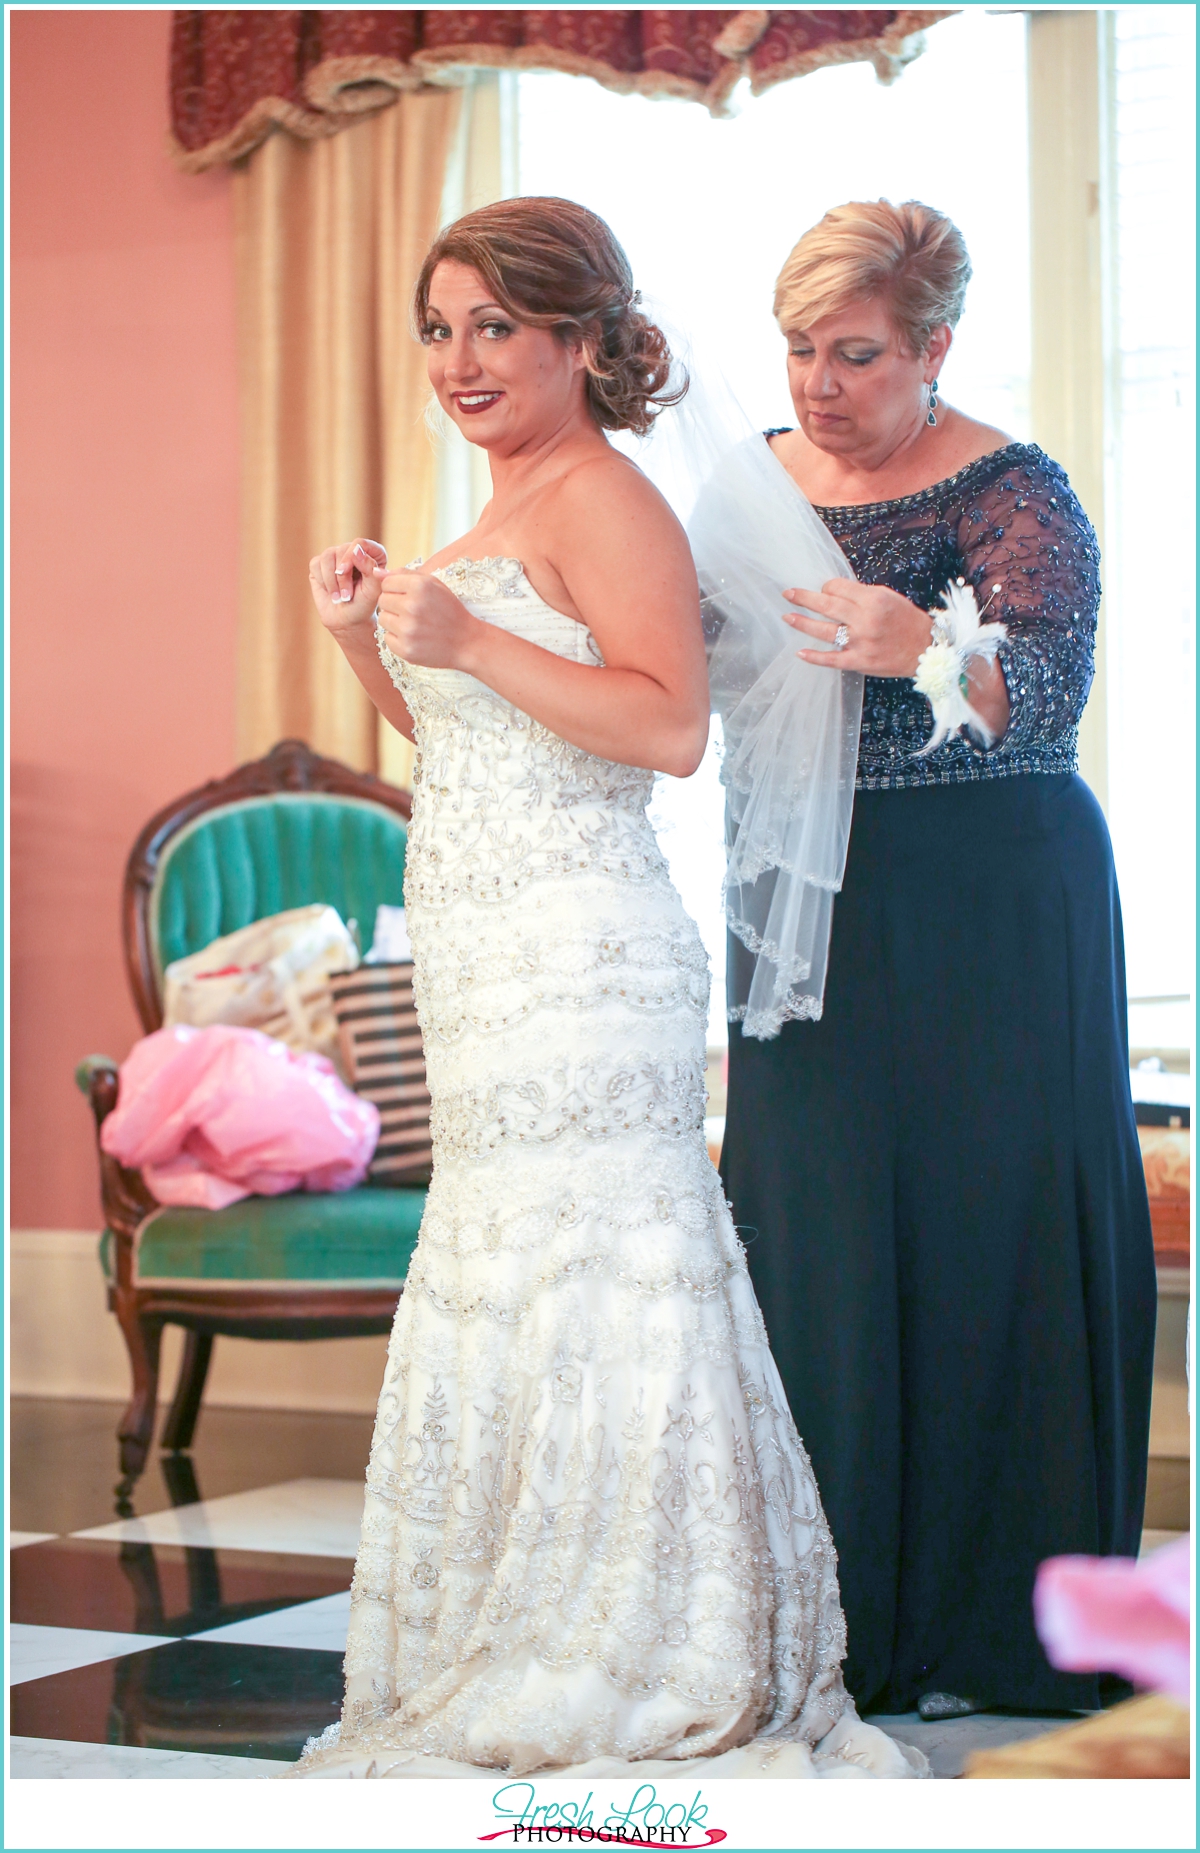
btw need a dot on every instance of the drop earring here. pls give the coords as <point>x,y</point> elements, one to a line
<point>933,399</point>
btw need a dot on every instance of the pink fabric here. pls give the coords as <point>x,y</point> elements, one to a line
<point>1111,1615</point>
<point>212,1115</point>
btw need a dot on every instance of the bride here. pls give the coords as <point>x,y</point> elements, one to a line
<point>591,1536</point>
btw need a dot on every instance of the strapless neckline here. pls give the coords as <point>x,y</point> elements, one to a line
<point>495,576</point>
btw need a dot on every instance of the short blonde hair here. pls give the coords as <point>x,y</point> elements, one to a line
<point>910,256</point>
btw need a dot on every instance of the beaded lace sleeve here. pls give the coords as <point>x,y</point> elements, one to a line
<point>1025,532</point>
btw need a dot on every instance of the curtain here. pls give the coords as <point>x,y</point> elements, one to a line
<point>330,235</point>
<point>237,75</point>
<point>481,166</point>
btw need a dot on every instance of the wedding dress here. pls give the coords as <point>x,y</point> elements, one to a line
<point>591,1535</point>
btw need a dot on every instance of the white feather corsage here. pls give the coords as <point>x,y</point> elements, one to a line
<point>942,668</point>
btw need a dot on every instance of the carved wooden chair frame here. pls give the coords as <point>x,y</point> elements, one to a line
<point>207,1311</point>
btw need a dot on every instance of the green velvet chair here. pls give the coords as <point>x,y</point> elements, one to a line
<point>281,832</point>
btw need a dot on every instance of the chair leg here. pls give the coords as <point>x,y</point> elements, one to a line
<point>143,1337</point>
<point>179,1472</point>
<point>180,1424</point>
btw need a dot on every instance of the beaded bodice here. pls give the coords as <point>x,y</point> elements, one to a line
<point>1008,520</point>
<point>499,800</point>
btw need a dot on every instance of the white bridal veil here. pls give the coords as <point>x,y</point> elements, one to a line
<point>790,728</point>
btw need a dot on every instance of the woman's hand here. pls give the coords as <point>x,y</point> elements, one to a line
<point>425,623</point>
<point>884,634</point>
<point>345,584</point>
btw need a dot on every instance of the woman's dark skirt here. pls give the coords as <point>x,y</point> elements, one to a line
<point>941,1195</point>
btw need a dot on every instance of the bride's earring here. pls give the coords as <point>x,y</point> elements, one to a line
<point>933,399</point>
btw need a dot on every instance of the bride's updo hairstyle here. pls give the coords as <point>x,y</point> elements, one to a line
<point>553,264</point>
<point>908,256</point>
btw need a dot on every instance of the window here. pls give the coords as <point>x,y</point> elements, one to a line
<point>1150,569</point>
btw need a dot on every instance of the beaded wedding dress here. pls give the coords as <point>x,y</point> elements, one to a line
<point>591,1534</point>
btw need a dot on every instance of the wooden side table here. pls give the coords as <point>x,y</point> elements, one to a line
<point>1146,1737</point>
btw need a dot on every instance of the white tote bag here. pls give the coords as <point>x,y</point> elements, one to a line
<point>272,975</point>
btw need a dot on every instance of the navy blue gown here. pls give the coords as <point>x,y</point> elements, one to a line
<point>939,1183</point>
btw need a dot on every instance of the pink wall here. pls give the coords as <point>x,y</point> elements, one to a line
<point>124,542</point>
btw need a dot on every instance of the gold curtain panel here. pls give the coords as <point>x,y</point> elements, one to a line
<point>330,236</point>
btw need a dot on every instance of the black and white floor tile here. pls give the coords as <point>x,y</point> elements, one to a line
<point>205,1639</point>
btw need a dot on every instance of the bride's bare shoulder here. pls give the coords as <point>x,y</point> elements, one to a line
<point>606,492</point>
<point>597,464</point>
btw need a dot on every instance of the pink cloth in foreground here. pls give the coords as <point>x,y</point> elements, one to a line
<point>213,1115</point>
<point>1111,1615</point>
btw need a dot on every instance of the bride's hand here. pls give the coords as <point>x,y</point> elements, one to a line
<point>345,584</point>
<point>884,634</point>
<point>425,623</point>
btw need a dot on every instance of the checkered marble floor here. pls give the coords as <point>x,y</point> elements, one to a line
<point>206,1641</point>
<point>202,1641</point>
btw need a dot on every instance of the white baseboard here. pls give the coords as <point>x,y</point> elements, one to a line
<point>66,1343</point>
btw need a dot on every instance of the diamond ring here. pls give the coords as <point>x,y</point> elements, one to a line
<point>841,637</point>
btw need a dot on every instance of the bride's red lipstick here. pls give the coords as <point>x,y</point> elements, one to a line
<point>484,404</point>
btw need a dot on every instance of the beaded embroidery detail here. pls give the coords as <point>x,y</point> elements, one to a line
<point>590,1526</point>
<point>1009,518</point>
<point>483,580</point>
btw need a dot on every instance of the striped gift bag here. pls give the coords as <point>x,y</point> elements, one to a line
<point>385,1063</point>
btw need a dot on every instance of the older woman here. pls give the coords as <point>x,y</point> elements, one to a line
<point>939,1182</point>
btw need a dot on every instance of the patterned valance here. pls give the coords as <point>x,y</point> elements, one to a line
<point>236,75</point>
